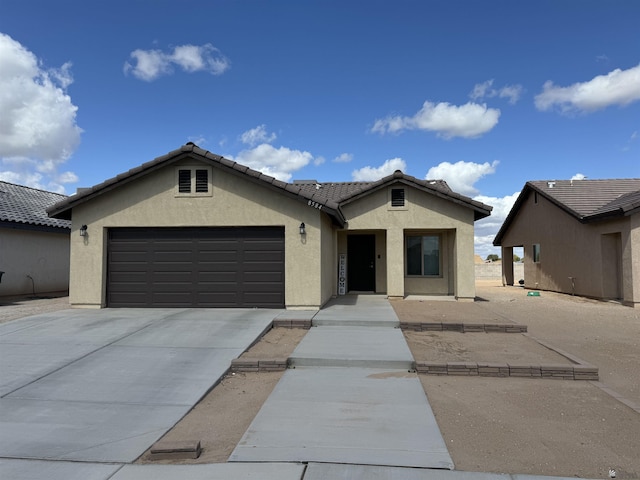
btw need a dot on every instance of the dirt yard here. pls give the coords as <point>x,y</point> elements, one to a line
<point>505,425</point>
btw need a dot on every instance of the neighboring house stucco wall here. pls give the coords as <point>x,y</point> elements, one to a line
<point>151,201</point>
<point>43,256</point>
<point>597,255</point>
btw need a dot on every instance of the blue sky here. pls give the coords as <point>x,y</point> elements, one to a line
<point>486,95</point>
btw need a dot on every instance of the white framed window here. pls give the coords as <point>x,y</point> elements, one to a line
<point>423,255</point>
<point>193,181</point>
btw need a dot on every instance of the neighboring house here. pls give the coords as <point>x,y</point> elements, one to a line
<point>193,229</point>
<point>579,236</point>
<point>34,248</point>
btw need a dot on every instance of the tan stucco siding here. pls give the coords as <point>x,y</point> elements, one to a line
<point>329,260</point>
<point>425,213</point>
<point>43,256</point>
<point>151,201</point>
<point>631,262</point>
<point>570,249</point>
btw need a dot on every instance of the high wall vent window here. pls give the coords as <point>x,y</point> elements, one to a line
<point>194,181</point>
<point>397,197</point>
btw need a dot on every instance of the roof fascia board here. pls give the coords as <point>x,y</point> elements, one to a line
<point>35,228</point>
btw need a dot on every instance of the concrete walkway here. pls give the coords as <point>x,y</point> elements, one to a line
<point>98,387</point>
<point>350,398</point>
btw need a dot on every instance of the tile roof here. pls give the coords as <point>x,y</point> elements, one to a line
<point>329,195</point>
<point>27,206</point>
<point>586,200</point>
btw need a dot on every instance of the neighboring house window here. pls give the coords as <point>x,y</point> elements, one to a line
<point>536,253</point>
<point>423,255</point>
<point>397,197</point>
<point>194,181</point>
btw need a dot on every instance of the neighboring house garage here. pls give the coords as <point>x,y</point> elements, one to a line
<point>196,267</point>
<point>194,229</point>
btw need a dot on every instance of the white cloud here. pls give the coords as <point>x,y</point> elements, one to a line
<point>578,176</point>
<point>257,135</point>
<point>618,87</point>
<point>487,228</point>
<point>468,121</point>
<point>38,130</point>
<point>512,92</point>
<point>486,90</point>
<point>150,64</point>
<point>319,161</point>
<point>371,174</point>
<point>461,176</point>
<point>276,162</point>
<point>343,158</point>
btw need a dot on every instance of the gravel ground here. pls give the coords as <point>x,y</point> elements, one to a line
<point>12,308</point>
<point>535,426</point>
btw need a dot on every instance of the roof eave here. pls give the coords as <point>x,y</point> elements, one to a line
<point>480,209</point>
<point>63,209</point>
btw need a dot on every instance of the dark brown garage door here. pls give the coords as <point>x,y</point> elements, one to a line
<point>196,267</point>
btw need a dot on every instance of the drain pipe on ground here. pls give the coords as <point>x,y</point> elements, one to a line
<point>33,285</point>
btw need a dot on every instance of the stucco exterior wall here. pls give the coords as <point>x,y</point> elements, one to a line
<point>422,213</point>
<point>151,201</point>
<point>568,248</point>
<point>329,260</point>
<point>631,262</point>
<point>43,256</point>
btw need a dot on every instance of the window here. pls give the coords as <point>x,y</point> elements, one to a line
<point>536,253</point>
<point>193,181</point>
<point>397,197</point>
<point>184,181</point>
<point>423,255</point>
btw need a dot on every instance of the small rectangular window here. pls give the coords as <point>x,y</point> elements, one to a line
<point>536,253</point>
<point>423,255</point>
<point>202,181</point>
<point>184,181</point>
<point>397,197</point>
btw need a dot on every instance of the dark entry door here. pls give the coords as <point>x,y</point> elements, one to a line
<point>361,261</point>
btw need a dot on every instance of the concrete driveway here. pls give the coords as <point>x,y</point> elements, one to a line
<point>104,385</point>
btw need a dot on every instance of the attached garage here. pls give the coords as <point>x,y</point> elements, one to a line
<point>196,267</point>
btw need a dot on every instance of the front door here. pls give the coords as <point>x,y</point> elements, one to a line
<point>361,261</point>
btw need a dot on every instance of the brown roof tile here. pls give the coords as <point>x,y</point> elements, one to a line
<point>586,200</point>
<point>28,206</point>
<point>329,195</point>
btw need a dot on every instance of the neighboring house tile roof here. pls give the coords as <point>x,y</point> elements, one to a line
<point>586,200</point>
<point>329,195</point>
<point>27,207</point>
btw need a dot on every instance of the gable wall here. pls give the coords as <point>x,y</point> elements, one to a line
<point>424,213</point>
<point>151,201</point>
<point>568,247</point>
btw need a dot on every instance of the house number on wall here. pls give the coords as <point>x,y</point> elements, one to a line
<point>342,274</point>
<point>313,204</point>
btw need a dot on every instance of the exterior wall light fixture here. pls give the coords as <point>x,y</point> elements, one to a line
<point>83,231</point>
<point>303,230</point>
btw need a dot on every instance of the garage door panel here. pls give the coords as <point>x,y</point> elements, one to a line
<point>196,267</point>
